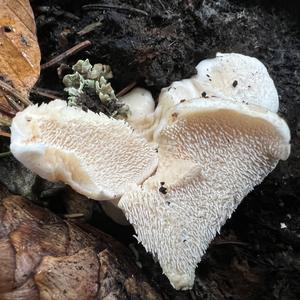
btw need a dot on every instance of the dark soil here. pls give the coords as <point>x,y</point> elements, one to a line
<point>161,41</point>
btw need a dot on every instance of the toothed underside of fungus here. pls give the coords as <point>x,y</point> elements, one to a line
<point>94,154</point>
<point>211,155</point>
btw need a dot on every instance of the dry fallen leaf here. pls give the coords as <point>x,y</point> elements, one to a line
<point>43,257</point>
<point>19,54</point>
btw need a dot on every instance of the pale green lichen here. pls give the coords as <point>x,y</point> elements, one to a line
<point>90,84</point>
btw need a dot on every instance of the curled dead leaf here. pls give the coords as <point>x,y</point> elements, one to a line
<point>19,55</point>
<point>43,257</point>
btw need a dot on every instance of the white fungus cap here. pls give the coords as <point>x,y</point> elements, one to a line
<point>211,155</point>
<point>238,77</point>
<point>140,103</point>
<point>96,155</point>
<point>141,111</point>
<point>228,76</point>
<point>149,122</point>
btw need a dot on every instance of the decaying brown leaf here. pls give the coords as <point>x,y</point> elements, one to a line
<point>45,257</point>
<point>19,54</point>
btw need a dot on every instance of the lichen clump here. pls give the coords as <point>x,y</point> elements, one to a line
<point>89,84</point>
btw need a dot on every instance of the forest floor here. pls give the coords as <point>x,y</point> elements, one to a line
<point>256,255</point>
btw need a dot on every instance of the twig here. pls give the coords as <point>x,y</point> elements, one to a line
<point>71,16</point>
<point>13,103</point>
<point>47,93</point>
<point>90,27</point>
<point>126,89</point>
<point>162,5</point>
<point>73,216</point>
<point>5,122</point>
<point>4,133</point>
<point>5,154</point>
<point>104,6</point>
<point>6,110</point>
<point>56,11</point>
<point>9,89</point>
<point>229,243</point>
<point>56,60</point>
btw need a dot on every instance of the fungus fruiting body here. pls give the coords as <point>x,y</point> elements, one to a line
<point>211,155</point>
<point>96,155</point>
<point>179,170</point>
<point>140,103</point>
<point>238,77</point>
<point>229,76</point>
<point>141,108</point>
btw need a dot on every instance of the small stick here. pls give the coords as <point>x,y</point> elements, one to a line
<point>13,103</point>
<point>104,6</point>
<point>56,60</point>
<point>89,28</point>
<point>47,93</point>
<point>7,88</point>
<point>229,243</point>
<point>73,216</point>
<point>4,154</point>
<point>6,110</point>
<point>71,16</point>
<point>5,122</point>
<point>126,89</point>
<point>4,133</point>
<point>162,5</point>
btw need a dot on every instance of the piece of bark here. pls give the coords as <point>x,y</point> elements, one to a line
<point>45,257</point>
